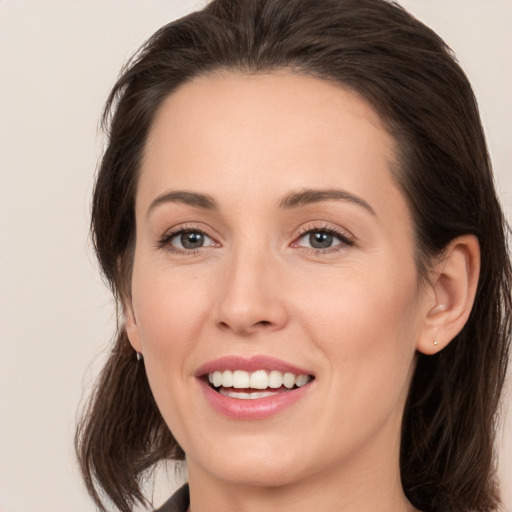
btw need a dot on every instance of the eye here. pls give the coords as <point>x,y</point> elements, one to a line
<point>189,240</point>
<point>322,239</point>
<point>186,240</point>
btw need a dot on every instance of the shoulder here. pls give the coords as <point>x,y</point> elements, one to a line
<point>178,502</point>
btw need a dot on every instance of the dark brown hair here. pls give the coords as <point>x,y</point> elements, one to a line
<point>409,75</point>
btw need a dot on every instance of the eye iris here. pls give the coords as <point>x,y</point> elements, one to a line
<point>320,240</point>
<point>192,240</point>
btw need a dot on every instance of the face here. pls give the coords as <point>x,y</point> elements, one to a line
<point>274,256</point>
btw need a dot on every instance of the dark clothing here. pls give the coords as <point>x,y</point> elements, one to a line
<point>178,502</point>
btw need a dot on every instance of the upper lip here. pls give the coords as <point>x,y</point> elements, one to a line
<point>249,364</point>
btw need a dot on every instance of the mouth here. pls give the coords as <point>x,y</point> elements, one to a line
<point>245,385</point>
<point>255,387</point>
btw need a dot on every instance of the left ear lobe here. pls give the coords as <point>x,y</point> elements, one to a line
<point>454,282</point>
<point>132,329</point>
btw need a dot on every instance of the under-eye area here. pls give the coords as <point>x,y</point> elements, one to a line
<point>258,384</point>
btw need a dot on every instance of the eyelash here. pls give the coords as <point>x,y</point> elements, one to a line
<point>165,241</point>
<point>344,239</point>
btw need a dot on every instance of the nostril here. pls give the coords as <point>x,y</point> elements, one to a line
<point>248,329</point>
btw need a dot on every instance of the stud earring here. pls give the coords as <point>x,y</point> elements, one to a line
<point>139,356</point>
<point>436,343</point>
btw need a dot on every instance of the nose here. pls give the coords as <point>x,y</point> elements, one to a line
<point>250,296</point>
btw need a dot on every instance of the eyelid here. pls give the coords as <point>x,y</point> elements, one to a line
<point>164,242</point>
<point>345,237</point>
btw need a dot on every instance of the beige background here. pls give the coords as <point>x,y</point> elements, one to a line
<point>58,60</point>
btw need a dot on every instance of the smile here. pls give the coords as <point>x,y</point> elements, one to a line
<point>253,388</point>
<point>245,385</point>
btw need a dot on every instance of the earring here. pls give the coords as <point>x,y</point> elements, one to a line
<point>139,356</point>
<point>436,343</point>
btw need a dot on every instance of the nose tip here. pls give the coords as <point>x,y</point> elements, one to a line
<point>250,299</point>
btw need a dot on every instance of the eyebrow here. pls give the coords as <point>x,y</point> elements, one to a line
<point>309,196</point>
<point>292,200</point>
<point>181,196</point>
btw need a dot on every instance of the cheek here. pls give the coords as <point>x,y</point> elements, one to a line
<point>353,301</point>
<point>366,332</point>
<point>171,314</point>
<point>367,327</point>
<point>171,311</point>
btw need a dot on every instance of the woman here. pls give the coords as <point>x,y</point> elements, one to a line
<point>296,214</point>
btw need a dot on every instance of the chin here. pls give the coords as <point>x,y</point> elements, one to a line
<point>270,474</point>
<point>253,465</point>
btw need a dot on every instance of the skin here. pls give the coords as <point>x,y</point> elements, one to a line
<point>354,314</point>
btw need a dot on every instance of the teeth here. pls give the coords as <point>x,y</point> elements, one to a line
<point>289,380</point>
<point>246,396</point>
<point>227,378</point>
<point>217,379</point>
<point>260,379</point>
<point>240,379</point>
<point>301,380</point>
<point>275,379</point>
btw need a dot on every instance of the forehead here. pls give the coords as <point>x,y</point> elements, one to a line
<point>238,135</point>
<point>283,104</point>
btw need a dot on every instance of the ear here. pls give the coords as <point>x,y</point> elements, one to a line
<point>132,329</point>
<point>454,282</point>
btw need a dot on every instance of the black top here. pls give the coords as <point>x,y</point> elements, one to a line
<point>178,502</point>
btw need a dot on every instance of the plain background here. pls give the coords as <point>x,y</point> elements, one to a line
<point>58,60</point>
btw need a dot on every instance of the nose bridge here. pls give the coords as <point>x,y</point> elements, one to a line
<point>249,298</point>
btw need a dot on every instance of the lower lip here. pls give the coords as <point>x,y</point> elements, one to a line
<point>252,409</point>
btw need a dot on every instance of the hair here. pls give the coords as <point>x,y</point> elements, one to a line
<point>412,79</point>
